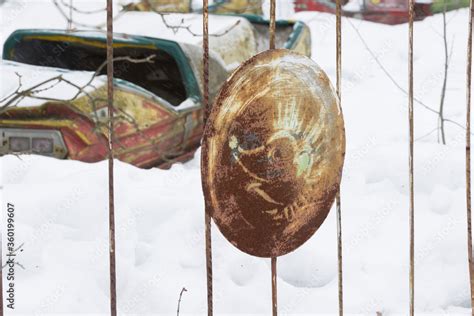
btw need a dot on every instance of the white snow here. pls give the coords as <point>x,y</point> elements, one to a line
<point>61,206</point>
<point>23,77</point>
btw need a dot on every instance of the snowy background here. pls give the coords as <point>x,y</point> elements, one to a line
<point>62,219</point>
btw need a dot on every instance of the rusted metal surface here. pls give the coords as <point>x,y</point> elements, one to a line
<point>239,7</point>
<point>272,23</point>
<point>272,153</point>
<point>274,287</point>
<point>147,133</point>
<point>272,29</point>
<point>110,136</point>
<point>340,289</point>
<point>206,105</point>
<point>411,214</point>
<point>165,6</point>
<point>468,157</point>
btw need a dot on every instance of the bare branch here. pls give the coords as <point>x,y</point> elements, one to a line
<point>174,28</point>
<point>75,9</point>
<point>179,300</point>
<point>445,79</point>
<point>182,26</point>
<point>393,79</point>
<point>71,22</point>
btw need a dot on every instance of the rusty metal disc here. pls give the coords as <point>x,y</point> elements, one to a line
<point>272,153</point>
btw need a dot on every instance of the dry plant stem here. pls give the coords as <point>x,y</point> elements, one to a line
<point>410,159</point>
<point>468,156</point>
<point>390,77</point>
<point>207,217</point>
<point>445,79</point>
<point>75,23</point>
<point>69,22</point>
<point>110,98</point>
<point>181,26</point>
<point>179,300</point>
<point>75,9</point>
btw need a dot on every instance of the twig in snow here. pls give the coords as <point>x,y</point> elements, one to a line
<point>179,300</point>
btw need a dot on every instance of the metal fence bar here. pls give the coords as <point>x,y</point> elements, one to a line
<point>207,109</point>
<point>274,287</point>
<point>273,259</point>
<point>272,23</point>
<point>468,156</point>
<point>338,195</point>
<point>110,110</point>
<point>410,159</point>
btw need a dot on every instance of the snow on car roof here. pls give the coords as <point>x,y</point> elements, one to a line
<point>34,75</point>
<point>83,82</point>
<point>189,26</point>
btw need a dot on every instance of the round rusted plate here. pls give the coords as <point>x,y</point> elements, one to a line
<point>272,153</point>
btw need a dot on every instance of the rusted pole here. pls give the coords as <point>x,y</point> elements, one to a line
<point>274,259</point>
<point>274,287</point>
<point>410,159</point>
<point>205,61</point>
<point>338,195</point>
<point>110,110</point>
<point>468,156</point>
<point>207,110</point>
<point>272,23</point>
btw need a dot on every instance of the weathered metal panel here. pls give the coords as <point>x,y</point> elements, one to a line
<point>239,6</point>
<point>179,6</point>
<point>272,153</point>
<point>147,133</point>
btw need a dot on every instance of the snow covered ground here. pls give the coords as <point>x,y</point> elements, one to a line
<point>61,206</point>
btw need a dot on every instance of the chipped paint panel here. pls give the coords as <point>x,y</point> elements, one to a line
<point>81,40</point>
<point>302,42</point>
<point>273,153</point>
<point>179,6</point>
<point>139,110</point>
<point>238,6</point>
<point>142,125</point>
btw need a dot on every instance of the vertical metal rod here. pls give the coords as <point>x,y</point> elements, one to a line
<point>339,254</point>
<point>207,110</point>
<point>410,159</point>
<point>210,307</point>
<point>338,195</point>
<point>110,110</point>
<point>274,287</point>
<point>272,23</point>
<point>468,156</point>
<point>205,47</point>
<point>274,259</point>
